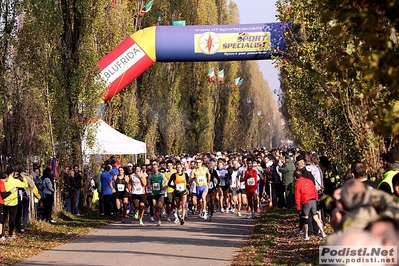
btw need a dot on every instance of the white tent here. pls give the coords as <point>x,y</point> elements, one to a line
<point>110,141</point>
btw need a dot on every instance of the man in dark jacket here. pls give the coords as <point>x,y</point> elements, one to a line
<point>287,170</point>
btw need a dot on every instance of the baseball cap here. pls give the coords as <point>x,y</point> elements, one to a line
<point>129,164</point>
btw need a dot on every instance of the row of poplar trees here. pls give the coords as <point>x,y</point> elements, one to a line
<point>339,77</point>
<point>48,64</point>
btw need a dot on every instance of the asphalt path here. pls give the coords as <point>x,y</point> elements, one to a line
<point>197,242</point>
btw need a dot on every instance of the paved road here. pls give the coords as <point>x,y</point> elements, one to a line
<point>197,242</point>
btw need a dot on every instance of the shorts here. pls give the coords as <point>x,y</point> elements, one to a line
<point>140,198</point>
<point>169,198</point>
<point>241,191</point>
<point>122,195</point>
<point>1,213</point>
<point>201,190</point>
<point>309,208</point>
<point>157,197</point>
<point>225,188</point>
<point>179,194</point>
<point>234,192</point>
<point>251,193</point>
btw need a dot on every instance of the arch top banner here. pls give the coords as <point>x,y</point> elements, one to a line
<point>219,42</point>
<point>188,44</point>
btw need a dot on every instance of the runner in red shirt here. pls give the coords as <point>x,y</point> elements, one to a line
<point>251,179</point>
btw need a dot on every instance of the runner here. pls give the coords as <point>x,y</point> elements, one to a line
<point>213,186</point>
<point>121,187</point>
<point>178,181</point>
<point>241,195</point>
<point>158,183</point>
<point>201,177</point>
<point>138,182</point>
<point>148,193</point>
<point>169,202</point>
<point>251,178</point>
<point>223,187</point>
<point>233,176</point>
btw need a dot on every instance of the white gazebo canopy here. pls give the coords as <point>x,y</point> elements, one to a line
<point>110,141</point>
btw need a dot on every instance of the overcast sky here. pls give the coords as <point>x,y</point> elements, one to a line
<point>261,11</point>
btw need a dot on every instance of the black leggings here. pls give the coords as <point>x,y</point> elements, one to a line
<point>11,213</point>
<point>47,207</point>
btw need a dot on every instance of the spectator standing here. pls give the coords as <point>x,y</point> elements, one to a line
<point>358,171</point>
<point>11,202</point>
<point>66,189</point>
<point>78,179</point>
<point>287,170</point>
<point>26,196</point>
<point>390,161</point>
<point>48,195</point>
<point>106,188</point>
<point>3,195</point>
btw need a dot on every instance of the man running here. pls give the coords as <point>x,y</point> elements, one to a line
<point>233,176</point>
<point>201,177</point>
<point>213,186</point>
<point>178,181</point>
<point>157,181</point>
<point>223,187</point>
<point>251,187</point>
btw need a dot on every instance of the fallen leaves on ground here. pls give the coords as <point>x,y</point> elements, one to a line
<point>274,242</point>
<point>40,236</point>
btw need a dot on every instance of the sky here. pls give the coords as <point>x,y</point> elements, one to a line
<point>261,11</point>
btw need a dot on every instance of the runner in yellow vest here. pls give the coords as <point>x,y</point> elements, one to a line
<point>201,177</point>
<point>390,162</point>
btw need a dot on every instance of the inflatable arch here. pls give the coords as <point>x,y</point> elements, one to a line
<point>188,44</point>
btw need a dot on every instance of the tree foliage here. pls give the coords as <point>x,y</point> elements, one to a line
<point>339,89</point>
<point>48,64</point>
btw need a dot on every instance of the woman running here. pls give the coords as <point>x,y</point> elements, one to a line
<point>178,181</point>
<point>138,182</point>
<point>120,185</point>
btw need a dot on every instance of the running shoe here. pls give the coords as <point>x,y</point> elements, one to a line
<point>239,214</point>
<point>177,220</point>
<point>227,209</point>
<point>233,210</point>
<point>123,221</point>
<point>136,216</point>
<point>211,218</point>
<point>222,210</point>
<point>204,215</point>
<point>200,216</point>
<point>181,221</point>
<point>305,238</point>
<point>299,232</point>
<point>324,235</point>
<point>255,215</point>
<point>152,219</point>
<point>141,222</point>
<point>3,238</point>
<point>159,223</point>
<point>169,220</point>
<point>248,216</point>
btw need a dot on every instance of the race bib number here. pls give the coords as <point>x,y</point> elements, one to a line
<point>210,185</point>
<point>222,182</point>
<point>251,181</point>
<point>148,190</point>
<point>138,190</point>
<point>242,185</point>
<point>201,179</point>
<point>120,187</point>
<point>180,187</point>
<point>156,186</point>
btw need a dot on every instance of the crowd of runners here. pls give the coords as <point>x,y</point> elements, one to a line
<point>174,187</point>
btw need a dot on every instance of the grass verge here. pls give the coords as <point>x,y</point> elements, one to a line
<point>41,236</point>
<point>274,242</point>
